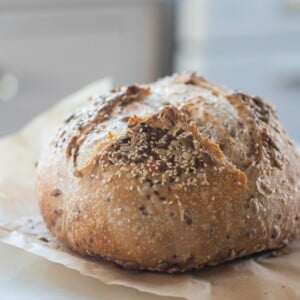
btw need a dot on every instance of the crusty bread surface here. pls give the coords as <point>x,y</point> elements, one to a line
<point>171,176</point>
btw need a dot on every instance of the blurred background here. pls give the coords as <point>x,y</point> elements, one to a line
<point>51,48</point>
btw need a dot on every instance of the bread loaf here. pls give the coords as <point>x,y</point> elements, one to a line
<point>171,176</point>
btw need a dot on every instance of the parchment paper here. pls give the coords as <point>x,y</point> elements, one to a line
<point>273,275</point>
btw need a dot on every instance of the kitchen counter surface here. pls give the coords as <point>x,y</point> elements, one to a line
<point>27,276</point>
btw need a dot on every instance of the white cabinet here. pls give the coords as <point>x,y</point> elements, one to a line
<point>249,45</point>
<point>55,47</point>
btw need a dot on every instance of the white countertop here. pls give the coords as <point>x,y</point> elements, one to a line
<point>27,276</point>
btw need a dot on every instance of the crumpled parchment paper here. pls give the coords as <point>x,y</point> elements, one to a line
<point>272,275</point>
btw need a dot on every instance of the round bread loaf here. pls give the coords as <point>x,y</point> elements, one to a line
<point>171,176</point>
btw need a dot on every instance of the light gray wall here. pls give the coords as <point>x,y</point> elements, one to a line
<point>53,48</point>
<point>247,45</point>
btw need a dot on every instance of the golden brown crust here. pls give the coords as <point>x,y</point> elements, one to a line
<point>171,176</point>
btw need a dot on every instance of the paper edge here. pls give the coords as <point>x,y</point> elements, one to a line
<point>34,249</point>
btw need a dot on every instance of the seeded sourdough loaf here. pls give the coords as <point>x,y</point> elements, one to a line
<point>171,176</point>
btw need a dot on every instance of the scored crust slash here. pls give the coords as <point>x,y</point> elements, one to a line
<point>171,176</point>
